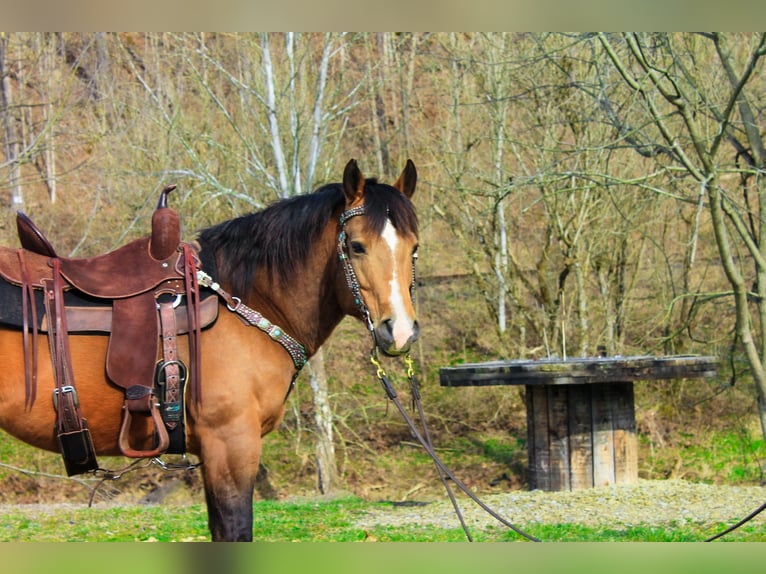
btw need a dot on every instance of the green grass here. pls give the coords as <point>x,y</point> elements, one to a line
<point>728,457</point>
<point>307,521</point>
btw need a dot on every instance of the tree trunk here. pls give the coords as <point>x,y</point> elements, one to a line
<point>327,471</point>
<point>49,154</point>
<point>9,127</point>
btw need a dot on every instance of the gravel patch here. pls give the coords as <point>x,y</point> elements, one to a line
<point>655,503</point>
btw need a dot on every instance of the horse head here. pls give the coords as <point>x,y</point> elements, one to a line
<point>378,244</point>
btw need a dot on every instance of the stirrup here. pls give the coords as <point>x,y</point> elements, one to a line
<point>159,427</point>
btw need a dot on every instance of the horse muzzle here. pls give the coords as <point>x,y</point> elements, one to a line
<point>395,339</point>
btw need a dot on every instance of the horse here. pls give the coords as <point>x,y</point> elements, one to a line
<point>304,263</point>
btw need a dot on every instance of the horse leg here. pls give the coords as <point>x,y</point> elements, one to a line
<point>230,514</point>
<point>229,473</point>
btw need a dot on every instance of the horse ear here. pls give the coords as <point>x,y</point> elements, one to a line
<point>353,184</point>
<point>407,181</point>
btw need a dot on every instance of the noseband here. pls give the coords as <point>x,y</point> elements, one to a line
<point>348,269</point>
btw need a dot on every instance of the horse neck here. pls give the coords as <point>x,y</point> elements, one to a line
<point>311,305</point>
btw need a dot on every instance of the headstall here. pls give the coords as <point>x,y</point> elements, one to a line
<point>348,269</point>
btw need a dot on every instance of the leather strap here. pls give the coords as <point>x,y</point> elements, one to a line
<point>170,366</point>
<point>191,285</point>
<point>58,341</point>
<point>171,375</point>
<point>71,428</point>
<point>28,305</point>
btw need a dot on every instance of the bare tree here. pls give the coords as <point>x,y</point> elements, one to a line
<point>10,122</point>
<point>711,130</point>
<point>530,185</point>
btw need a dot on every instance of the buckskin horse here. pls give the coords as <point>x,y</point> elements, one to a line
<point>292,270</point>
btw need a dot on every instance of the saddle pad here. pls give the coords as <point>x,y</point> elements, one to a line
<point>11,310</point>
<point>86,314</point>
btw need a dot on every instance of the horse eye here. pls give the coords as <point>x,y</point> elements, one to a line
<point>358,248</point>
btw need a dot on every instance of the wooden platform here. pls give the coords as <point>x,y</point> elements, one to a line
<point>581,427</point>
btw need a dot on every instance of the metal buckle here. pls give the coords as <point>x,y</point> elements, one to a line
<point>176,302</point>
<point>65,389</point>
<point>160,374</point>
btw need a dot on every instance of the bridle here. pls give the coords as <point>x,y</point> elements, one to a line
<point>350,274</point>
<point>348,269</point>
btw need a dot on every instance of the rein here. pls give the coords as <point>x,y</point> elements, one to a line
<point>424,437</point>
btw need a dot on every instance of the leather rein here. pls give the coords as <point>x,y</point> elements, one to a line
<point>422,435</point>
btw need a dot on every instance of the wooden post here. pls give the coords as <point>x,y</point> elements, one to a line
<point>603,436</point>
<point>558,438</point>
<point>581,436</point>
<point>625,440</point>
<point>537,438</point>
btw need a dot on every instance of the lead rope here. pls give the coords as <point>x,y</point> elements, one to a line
<point>417,405</point>
<point>746,519</point>
<point>444,472</point>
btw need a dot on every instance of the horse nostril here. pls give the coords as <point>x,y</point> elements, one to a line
<point>394,342</point>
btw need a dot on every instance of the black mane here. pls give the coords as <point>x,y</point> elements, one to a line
<point>278,238</point>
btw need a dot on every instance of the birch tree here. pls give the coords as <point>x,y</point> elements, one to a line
<point>296,164</point>
<point>11,133</point>
<point>34,96</point>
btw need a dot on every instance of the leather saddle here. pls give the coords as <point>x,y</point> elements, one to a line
<point>143,295</point>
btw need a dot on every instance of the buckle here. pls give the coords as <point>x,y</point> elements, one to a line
<point>65,389</point>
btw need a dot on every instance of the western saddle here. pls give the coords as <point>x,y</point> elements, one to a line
<point>143,295</point>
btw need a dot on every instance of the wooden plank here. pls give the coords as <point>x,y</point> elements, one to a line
<point>558,437</point>
<point>579,370</point>
<point>580,437</point>
<point>537,433</point>
<point>625,441</point>
<point>603,435</point>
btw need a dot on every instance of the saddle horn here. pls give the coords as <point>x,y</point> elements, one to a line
<point>166,227</point>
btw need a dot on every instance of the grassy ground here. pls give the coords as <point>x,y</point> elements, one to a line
<point>306,521</point>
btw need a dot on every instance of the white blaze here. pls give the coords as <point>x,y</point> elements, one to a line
<point>402,326</point>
